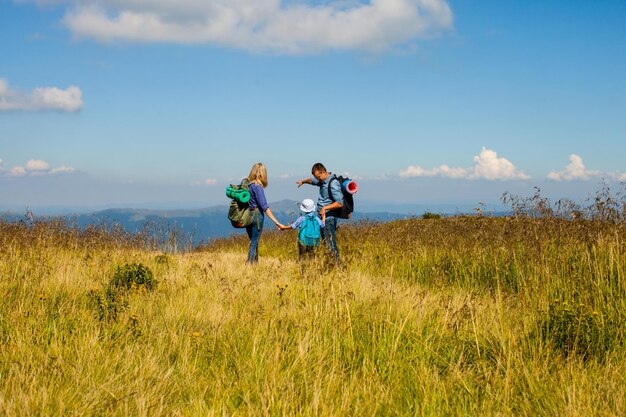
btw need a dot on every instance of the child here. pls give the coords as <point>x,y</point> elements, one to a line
<point>308,225</point>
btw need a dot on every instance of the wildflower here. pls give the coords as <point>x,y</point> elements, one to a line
<point>42,296</point>
<point>281,288</point>
<point>195,335</point>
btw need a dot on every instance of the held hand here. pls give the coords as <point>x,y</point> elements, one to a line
<point>299,183</point>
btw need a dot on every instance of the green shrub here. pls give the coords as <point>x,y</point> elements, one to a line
<point>107,305</point>
<point>576,329</point>
<point>130,275</point>
<point>162,259</point>
<point>429,215</point>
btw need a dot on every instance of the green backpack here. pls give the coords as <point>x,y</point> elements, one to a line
<point>239,212</point>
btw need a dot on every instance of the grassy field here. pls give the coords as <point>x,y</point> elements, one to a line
<point>453,316</point>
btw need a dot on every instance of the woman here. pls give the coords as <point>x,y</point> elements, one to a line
<point>259,207</point>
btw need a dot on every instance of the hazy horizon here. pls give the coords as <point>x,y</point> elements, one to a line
<point>492,202</point>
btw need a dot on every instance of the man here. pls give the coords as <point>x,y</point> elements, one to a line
<point>329,204</point>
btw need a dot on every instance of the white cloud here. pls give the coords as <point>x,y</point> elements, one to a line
<point>209,181</point>
<point>17,172</point>
<point>487,166</point>
<point>62,169</point>
<point>40,99</point>
<point>37,165</point>
<point>490,167</point>
<point>441,171</point>
<point>277,26</point>
<point>575,170</point>
<point>34,167</point>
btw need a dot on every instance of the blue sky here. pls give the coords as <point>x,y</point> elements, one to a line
<point>163,103</point>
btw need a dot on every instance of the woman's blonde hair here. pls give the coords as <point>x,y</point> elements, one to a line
<point>258,174</point>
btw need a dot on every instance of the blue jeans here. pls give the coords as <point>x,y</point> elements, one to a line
<point>254,233</point>
<point>329,235</point>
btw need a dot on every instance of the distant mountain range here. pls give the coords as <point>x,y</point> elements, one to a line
<point>199,225</point>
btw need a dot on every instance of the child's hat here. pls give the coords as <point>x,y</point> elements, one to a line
<point>307,205</point>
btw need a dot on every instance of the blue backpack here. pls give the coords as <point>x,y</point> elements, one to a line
<point>309,231</point>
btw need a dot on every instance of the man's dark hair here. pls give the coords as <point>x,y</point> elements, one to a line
<point>318,167</point>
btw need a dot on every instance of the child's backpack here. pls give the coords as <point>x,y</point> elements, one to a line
<point>348,200</point>
<point>239,212</point>
<point>309,231</point>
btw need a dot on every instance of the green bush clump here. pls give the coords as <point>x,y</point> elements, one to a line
<point>162,259</point>
<point>429,215</point>
<point>133,275</point>
<point>576,329</point>
<point>106,304</point>
<point>109,302</point>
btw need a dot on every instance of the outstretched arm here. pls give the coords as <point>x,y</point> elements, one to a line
<point>269,213</point>
<point>304,181</point>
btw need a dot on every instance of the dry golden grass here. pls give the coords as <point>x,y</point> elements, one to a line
<point>460,316</point>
